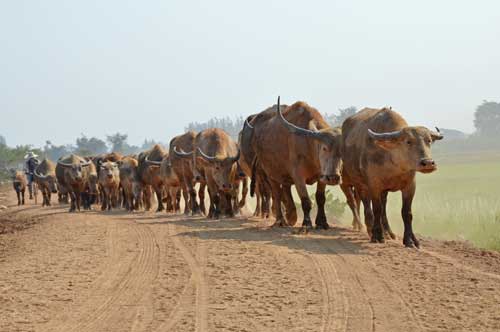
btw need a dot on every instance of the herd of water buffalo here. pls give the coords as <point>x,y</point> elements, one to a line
<point>374,152</point>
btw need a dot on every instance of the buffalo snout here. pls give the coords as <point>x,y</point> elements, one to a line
<point>426,165</point>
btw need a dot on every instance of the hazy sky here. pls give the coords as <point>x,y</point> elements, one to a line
<point>147,68</point>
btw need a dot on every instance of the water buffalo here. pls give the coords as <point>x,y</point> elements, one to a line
<point>109,182</point>
<point>381,154</point>
<point>73,172</point>
<point>172,182</point>
<point>19,184</point>
<point>149,172</point>
<point>261,188</point>
<point>45,177</point>
<point>181,156</point>
<point>129,181</point>
<point>216,155</point>
<point>298,147</point>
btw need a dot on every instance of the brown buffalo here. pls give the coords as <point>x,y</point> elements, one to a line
<point>129,181</point>
<point>381,154</point>
<point>19,184</point>
<point>181,156</point>
<point>149,172</point>
<point>45,177</point>
<point>172,182</point>
<point>215,156</point>
<point>109,182</point>
<point>98,160</point>
<point>73,173</point>
<point>297,147</point>
<point>261,188</point>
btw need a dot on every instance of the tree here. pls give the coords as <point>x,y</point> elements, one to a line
<point>118,142</point>
<point>54,152</point>
<point>336,120</point>
<point>3,142</point>
<point>89,146</point>
<point>148,144</point>
<point>232,127</point>
<point>487,119</point>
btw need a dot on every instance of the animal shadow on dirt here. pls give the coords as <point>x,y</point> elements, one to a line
<point>333,241</point>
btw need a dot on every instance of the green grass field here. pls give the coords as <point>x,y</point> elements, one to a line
<point>461,201</point>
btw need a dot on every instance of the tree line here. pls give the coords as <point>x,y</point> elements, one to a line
<point>486,136</point>
<point>13,157</point>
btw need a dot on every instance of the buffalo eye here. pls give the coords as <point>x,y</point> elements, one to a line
<point>408,142</point>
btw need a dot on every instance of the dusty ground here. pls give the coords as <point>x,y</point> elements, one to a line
<point>153,272</point>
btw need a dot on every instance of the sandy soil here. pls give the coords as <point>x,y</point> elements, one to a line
<point>154,272</point>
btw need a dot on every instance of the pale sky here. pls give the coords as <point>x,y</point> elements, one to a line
<point>147,68</point>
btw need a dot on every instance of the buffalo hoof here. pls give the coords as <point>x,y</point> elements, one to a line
<point>389,235</point>
<point>322,225</point>
<point>377,236</point>
<point>411,242</point>
<point>279,223</point>
<point>305,229</point>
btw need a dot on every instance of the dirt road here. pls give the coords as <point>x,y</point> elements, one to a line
<point>154,272</point>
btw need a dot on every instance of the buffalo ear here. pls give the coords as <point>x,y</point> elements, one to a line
<point>386,144</point>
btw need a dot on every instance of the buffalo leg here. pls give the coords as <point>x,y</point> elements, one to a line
<point>244,193</point>
<point>321,222</point>
<point>368,213</point>
<point>385,222</point>
<point>290,209</point>
<point>185,195</point>
<point>377,230</point>
<point>409,238</point>
<point>201,195</point>
<point>305,200</point>
<point>257,211</point>
<point>18,193</point>
<point>159,199</point>
<point>229,205</point>
<point>78,200</point>
<point>73,202</point>
<point>276,191</point>
<point>353,205</point>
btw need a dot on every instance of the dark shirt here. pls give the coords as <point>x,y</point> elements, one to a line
<point>31,164</point>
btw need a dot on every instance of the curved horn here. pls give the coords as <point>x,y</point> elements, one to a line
<point>436,136</point>
<point>64,164</point>
<point>85,163</point>
<point>37,175</point>
<point>152,162</point>
<point>182,153</point>
<point>207,157</point>
<point>298,130</point>
<point>384,136</point>
<point>247,124</point>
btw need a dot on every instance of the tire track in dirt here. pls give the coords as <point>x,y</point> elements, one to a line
<point>335,304</point>
<point>385,300</point>
<point>113,300</point>
<point>197,267</point>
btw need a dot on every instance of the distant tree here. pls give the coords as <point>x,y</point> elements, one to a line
<point>54,152</point>
<point>487,119</point>
<point>148,144</point>
<point>336,120</point>
<point>118,142</point>
<point>232,127</point>
<point>90,146</point>
<point>3,142</point>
